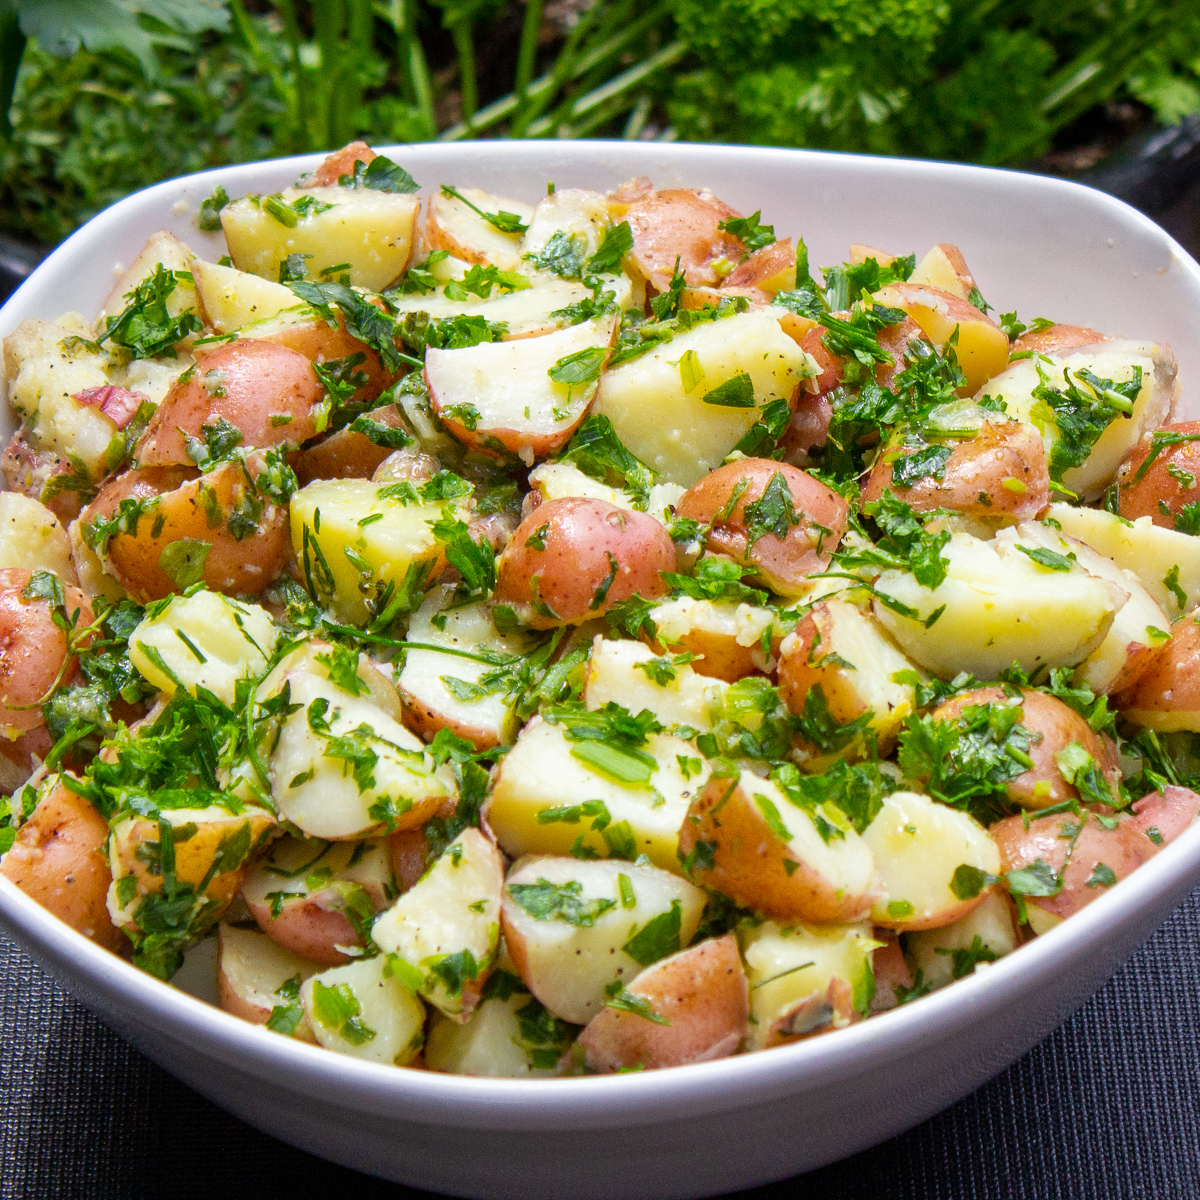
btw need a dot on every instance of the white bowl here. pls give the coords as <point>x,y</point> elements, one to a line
<point>1041,246</point>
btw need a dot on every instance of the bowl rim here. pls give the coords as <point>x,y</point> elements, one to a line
<point>433,1098</point>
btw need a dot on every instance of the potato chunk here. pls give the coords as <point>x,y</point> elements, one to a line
<point>33,539</point>
<point>697,1005</point>
<point>447,926</point>
<point>727,638</point>
<point>547,800</point>
<point>918,846</point>
<point>255,978</point>
<point>745,837</point>
<point>1167,696</point>
<point>453,224</point>
<point>234,298</point>
<point>955,950</point>
<point>944,267</point>
<point>578,932</point>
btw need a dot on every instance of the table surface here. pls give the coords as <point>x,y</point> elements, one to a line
<point>1106,1108</point>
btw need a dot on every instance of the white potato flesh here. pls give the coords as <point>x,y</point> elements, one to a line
<point>567,964</point>
<point>1158,557</point>
<point>449,918</point>
<point>488,1045</point>
<point>939,953</point>
<point>557,480</point>
<point>1115,360</point>
<point>1139,626</point>
<point>546,801</point>
<point>33,539</point>
<point>88,568</point>
<point>303,867</point>
<point>319,793</point>
<point>918,844</point>
<point>161,249</point>
<point>672,430</point>
<point>790,965</point>
<point>431,702</point>
<point>338,518</point>
<point>715,623</point>
<point>360,1010</point>
<point>1000,607</point>
<point>576,213</point>
<point>250,971</point>
<point>234,298</point>
<point>503,390</point>
<point>204,640</point>
<point>370,230</point>
<point>452,224</point>
<point>615,675</point>
<point>938,269</point>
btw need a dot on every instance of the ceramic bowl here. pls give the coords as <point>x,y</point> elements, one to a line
<point>1040,246</point>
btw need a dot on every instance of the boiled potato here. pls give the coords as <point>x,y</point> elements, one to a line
<point>995,607</point>
<point>364,1011</point>
<point>452,224</point>
<point>161,249</point>
<point>1167,562</point>
<point>944,267</point>
<point>727,638</point>
<point>547,800</point>
<point>351,534</point>
<point>697,1005</point>
<point>745,837</point>
<point>205,640</point>
<point>33,539</point>
<point>683,224</point>
<point>252,970</point>
<point>949,953</point>
<point>771,517</point>
<point>571,560</point>
<point>500,396</point>
<point>1166,697</point>
<point>573,214</point>
<point>805,979</point>
<point>1161,487</point>
<point>681,434</point>
<point>1053,339</point>
<point>369,229</point>
<point>303,891</point>
<point>918,845</point>
<point>559,480</point>
<point>844,652</point>
<point>234,298</point>
<point>446,927</point>
<point>575,928</point>
<point>59,860</point>
<point>770,269</point>
<point>89,570</point>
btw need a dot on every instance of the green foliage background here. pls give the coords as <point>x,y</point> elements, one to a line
<point>186,84</point>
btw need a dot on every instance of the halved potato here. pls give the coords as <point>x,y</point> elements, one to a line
<point>918,845</point>
<point>680,224</point>
<point>548,800</point>
<point>771,269</point>
<point>949,953</point>
<point>1166,486</point>
<point>234,298</point>
<point>560,480</point>
<point>572,213</point>
<point>446,927</point>
<point>727,638</point>
<point>452,224</point>
<point>744,837</point>
<point>500,395</point>
<point>575,928</point>
<point>698,1004</point>
<point>251,970</point>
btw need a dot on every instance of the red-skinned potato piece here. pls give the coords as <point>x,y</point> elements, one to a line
<point>319,342</point>
<point>58,860</point>
<point>259,387</point>
<point>765,267</point>
<point>700,995</point>
<point>1163,816</point>
<point>1054,726</point>
<point>348,455</point>
<point>32,649</point>
<point>742,531</point>
<point>1055,339</point>
<point>1001,472</point>
<point>572,559</point>
<point>185,500</point>
<point>890,968</point>
<point>340,162</point>
<point>1170,480</point>
<point>1167,697</point>
<point>682,224</point>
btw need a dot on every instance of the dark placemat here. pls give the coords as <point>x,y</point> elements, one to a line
<point>1107,1108</point>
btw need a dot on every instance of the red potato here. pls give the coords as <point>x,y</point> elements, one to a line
<point>784,562</point>
<point>1165,815</point>
<point>316,340</point>
<point>32,471</point>
<point>891,970</point>
<point>709,297</point>
<point>260,388</point>
<point>338,163</point>
<point>682,224</point>
<point>1054,726</point>
<point>1167,697</point>
<point>1171,481</point>
<point>348,455</point>
<point>1002,472</point>
<point>32,649</point>
<point>250,971</point>
<point>701,996</point>
<point>184,500</point>
<point>20,757</point>
<point>767,268</point>
<point>58,860</point>
<point>725,637</point>
<point>1055,339</point>
<point>944,267</point>
<point>572,559</point>
<point>822,1012</point>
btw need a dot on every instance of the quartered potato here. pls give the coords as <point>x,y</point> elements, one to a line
<point>1166,697</point>
<point>234,298</point>
<point>726,638</point>
<point>32,538</point>
<point>459,224</point>
<point>259,981</point>
<point>954,951</point>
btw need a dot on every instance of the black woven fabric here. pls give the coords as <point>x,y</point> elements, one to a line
<point>1107,1108</point>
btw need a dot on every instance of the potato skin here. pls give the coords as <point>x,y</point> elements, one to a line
<point>244,383</point>
<point>1059,725</point>
<point>976,474</point>
<point>1172,685</point>
<point>32,648</point>
<point>307,927</point>
<point>701,991</point>
<point>586,544</point>
<point>1055,339</point>
<point>58,860</point>
<point>1159,488</point>
<point>680,223</point>
<point>348,455</point>
<point>340,162</point>
<point>783,562</point>
<point>232,566</point>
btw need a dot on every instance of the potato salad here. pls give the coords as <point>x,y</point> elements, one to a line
<point>573,637</point>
